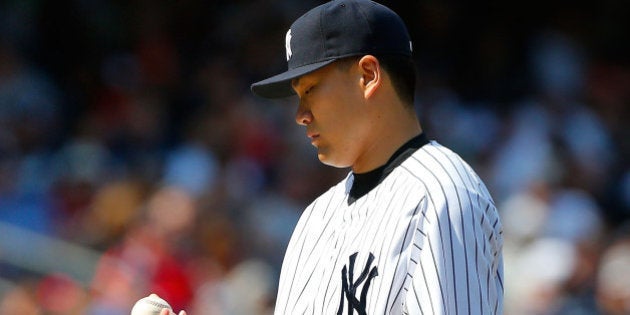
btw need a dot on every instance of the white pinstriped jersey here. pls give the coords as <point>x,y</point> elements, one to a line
<point>426,240</point>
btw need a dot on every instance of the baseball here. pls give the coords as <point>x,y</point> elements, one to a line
<point>150,305</point>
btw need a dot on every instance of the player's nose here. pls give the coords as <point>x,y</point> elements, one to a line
<point>303,116</point>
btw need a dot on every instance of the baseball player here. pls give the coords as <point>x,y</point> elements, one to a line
<point>412,229</point>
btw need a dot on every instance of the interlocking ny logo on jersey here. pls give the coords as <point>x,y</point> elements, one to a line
<point>287,44</point>
<point>349,286</point>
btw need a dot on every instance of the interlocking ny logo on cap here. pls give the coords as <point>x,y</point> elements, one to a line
<point>288,45</point>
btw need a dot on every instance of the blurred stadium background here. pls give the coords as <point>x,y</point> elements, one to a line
<point>134,159</point>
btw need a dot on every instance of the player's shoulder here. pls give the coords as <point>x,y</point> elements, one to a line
<point>433,152</point>
<point>418,161</point>
<point>434,161</point>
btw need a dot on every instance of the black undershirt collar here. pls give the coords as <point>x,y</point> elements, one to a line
<point>365,182</point>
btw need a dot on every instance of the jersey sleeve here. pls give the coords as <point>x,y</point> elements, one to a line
<point>460,268</point>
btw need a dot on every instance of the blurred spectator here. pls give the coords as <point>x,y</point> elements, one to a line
<point>60,294</point>
<point>146,259</point>
<point>192,168</point>
<point>613,278</point>
<point>20,299</point>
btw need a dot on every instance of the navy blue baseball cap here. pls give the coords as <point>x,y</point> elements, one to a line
<point>335,30</point>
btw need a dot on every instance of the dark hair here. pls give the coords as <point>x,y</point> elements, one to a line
<point>401,70</point>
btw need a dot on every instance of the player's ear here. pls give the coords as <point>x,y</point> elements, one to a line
<point>371,75</point>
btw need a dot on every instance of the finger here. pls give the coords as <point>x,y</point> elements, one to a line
<point>182,313</point>
<point>165,311</point>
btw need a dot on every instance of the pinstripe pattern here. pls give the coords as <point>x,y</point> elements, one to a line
<point>433,230</point>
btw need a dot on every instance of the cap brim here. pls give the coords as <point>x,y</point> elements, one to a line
<point>279,86</point>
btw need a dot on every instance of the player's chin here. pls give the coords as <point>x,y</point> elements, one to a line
<point>329,160</point>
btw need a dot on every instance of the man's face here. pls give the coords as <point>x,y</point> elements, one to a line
<point>333,110</point>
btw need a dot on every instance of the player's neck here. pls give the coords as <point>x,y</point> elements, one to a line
<point>392,135</point>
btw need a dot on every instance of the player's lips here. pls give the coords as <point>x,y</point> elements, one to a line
<point>312,136</point>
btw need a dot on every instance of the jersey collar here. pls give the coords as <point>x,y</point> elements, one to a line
<point>365,182</point>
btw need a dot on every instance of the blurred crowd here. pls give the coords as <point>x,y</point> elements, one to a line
<point>134,159</point>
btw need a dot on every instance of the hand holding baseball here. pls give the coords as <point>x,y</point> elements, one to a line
<point>153,305</point>
<point>166,311</point>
